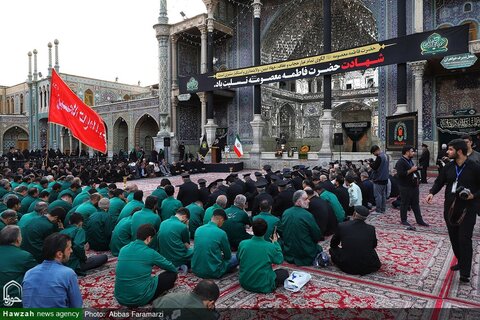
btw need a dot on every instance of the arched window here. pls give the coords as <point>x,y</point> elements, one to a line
<point>12,106</point>
<point>472,30</point>
<point>467,7</point>
<point>45,97</point>
<point>88,97</point>
<point>21,104</point>
<point>41,98</point>
<point>7,109</point>
<point>126,97</point>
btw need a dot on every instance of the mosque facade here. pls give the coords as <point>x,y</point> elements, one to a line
<point>291,111</point>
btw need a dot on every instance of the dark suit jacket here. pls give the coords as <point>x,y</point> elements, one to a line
<point>188,193</point>
<point>258,199</point>
<point>323,214</point>
<point>283,201</point>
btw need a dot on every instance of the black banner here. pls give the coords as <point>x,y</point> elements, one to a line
<point>355,131</point>
<point>459,125</point>
<point>418,46</point>
<point>402,130</point>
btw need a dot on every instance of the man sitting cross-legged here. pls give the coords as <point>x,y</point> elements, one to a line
<point>357,254</point>
<point>174,239</point>
<point>256,257</point>
<point>212,257</point>
<point>134,285</point>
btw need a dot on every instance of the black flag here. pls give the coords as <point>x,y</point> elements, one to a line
<point>204,147</point>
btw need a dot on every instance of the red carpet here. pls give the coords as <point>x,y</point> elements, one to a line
<point>414,282</point>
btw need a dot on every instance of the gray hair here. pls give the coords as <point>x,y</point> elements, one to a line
<point>69,178</point>
<point>9,234</point>
<point>8,197</point>
<point>9,213</point>
<point>41,207</point>
<point>104,203</point>
<point>240,200</point>
<point>297,195</point>
<point>221,201</point>
<point>4,183</point>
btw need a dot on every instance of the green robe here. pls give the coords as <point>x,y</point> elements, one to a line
<point>34,233</point>
<point>134,285</point>
<point>103,192</point>
<point>2,225</point>
<point>209,213</point>
<point>116,206</point>
<point>98,230</point>
<point>161,195</point>
<point>25,204</point>
<point>60,203</point>
<point>81,198</point>
<point>234,226</point>
<point>26,218</point>
<point>86,209</point>
<point>212,252</point>
<point>337,208</point>
<point>271,221</point>
<point>127,210</point>
<point>130,196</point>
<point>144,216</point>
<point>34,203</point>
<point>52,196</point>
<point>190,304</point>
<point>169,207</point>
<point>78,246</point>
<point>13,265</point>
<point>67,191</point>
<point>300,234</point>
<point>172,237</point>
<point>121,235</point>
<point>3,191</point>
<point>256,257</point>
<point>196,218</point>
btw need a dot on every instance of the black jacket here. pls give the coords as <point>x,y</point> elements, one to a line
<point>406,179</point>
<point>323,214</point>
<point>357,254</point>
<point>258,199</point>
<point>188,193</point>
<point>282,202</point>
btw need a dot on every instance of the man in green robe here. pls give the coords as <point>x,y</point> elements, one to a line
<point>237,221</point>
<point>41,208</point>
<point>272,221</point>
<point>146,215</point>
<point>170,205</point>
<point>134,285</point>
<point>174,239</point>
<point>54,191</point>
<point>196,216</point>
<point>35,232</point>
<point>122,234</point>
<point>136,202</point>
<point>72,190</point>
<point>220,203</point>
<point>197,304</point>
<point>117,203</point>
<point>160,193</point>
<point>332,199</point>
<point>256,257</point>
<point>83,196</point>
<point>99,227</point>
<point>42,197</point>
<point>88,208</point>
<point>212,257</point>
<point>15,261</point>
<point>78,260</point>
<point>300,232</point>
<point>8,217</point>
<point>27,201</point>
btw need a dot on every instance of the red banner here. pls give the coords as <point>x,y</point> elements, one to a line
<point>68,110</point>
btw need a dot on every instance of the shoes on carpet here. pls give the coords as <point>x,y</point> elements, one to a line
<point>423,223</point>
<point>464,279</point>
<point>455,267</point>
<point>405,223</point>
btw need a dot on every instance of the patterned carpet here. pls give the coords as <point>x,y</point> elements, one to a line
<point>414,282</point>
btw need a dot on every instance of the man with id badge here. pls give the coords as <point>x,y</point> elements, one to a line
<point>462,202</point>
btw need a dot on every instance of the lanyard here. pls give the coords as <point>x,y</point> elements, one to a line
<point>459,172</point>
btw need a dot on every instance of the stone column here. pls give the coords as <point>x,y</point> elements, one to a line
<point>174,142</point>
<point>401,67</point>
<point>50,60</point>
<point>210,126</point>
<point>203,101</point>
<point>70,142</point>
<point>57,65</point>
<point>417,69</point>
<point>174,41</point>
<point>162,30</point>
<point>203,50</point>
<point>418,16</point>
<point>61,141</point>
<point>257,124</point>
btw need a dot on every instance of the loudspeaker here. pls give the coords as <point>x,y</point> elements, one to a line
<point>166,142</point>
<point>338,139</point>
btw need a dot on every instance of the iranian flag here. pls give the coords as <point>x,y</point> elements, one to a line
<point>237,147</point>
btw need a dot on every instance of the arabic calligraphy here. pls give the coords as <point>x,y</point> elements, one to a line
<point>355,63</point>
<point>82,117</point>
<point>304,62</point>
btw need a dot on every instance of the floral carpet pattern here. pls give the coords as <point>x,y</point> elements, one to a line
<point>414,282</point>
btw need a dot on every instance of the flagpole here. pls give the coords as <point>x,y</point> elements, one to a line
<point>47,142</point>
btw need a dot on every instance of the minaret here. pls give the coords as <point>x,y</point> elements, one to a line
<point>162,31</point>
<point>49,59</point>
<point>57,66</point>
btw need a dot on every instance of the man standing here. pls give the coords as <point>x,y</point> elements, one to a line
<point>424,162</point>
<point>256,257</point>
<point>358,241</point>
<point>300,232</point>
<point>379,178</point>
<point>408,179</point>
<point>471,154</point>
<point>460,207</point>
<point>51,284</point>
<point>134,285</point>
